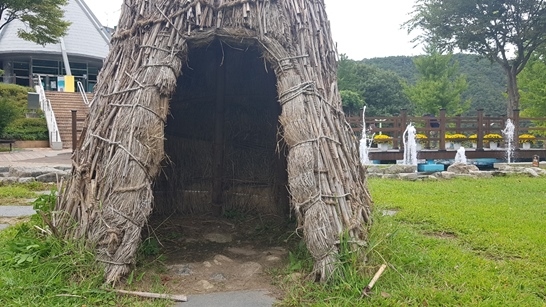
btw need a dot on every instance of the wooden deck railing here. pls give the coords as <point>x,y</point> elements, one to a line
<point>481,125</point>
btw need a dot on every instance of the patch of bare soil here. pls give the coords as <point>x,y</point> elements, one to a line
<point>13,220</point>
<point>206,254</point>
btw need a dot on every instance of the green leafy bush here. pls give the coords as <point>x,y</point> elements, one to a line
<point>8,112</point>
<point>17,94</point>
<point>26,129</point>
<point>13,105</point>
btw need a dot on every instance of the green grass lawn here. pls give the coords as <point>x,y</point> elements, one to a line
<point>38,269</point>
<point>462,242</point>
<point>19,194</point>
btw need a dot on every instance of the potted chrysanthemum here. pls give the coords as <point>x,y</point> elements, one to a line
<point>421,140</point>
<point>383,141</point>
<point>454,139</point>
<point>526,140</point>
<point>493,139</point>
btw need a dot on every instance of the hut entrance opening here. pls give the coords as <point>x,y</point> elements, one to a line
<point>222,141</point>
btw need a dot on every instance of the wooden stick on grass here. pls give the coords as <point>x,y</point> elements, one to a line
<point>368,288</point>
<point>174,297</point>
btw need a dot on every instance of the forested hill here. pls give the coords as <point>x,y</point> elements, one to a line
<point>486,81</point>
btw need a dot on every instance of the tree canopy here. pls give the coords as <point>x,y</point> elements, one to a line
<point>439,85</point>
<point>532,82</point>
<point>486,80</point>
<point>352,102</point>
<point>381,90</point>
<point>43,18</point>
<point>506,32</point>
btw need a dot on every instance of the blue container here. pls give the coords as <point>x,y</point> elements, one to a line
<point>430,167</point>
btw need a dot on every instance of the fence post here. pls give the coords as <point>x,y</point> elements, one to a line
<point>442,130</point>
<point>458,123</point>
<point>479,133</point>
<point>74,130</point>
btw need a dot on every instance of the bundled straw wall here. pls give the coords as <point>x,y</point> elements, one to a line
<point>119,157</point>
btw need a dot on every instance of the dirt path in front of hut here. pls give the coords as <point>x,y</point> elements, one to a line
<point>194,255</point>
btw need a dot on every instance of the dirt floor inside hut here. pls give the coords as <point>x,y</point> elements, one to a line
<point>203,254</point>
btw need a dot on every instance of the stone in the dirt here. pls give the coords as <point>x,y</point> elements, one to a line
<point>26,179</point>
<point>183,270</point>
<point>218,277</point>
<point>27,171</point>
<point>49,177</point>
<point>531,172</point>
<point>272,258</point>
<point>396,169</point>
<point>275,251</point>
<point>482,174</point>
<point>8,179</point>
<point>207,264</point>
<point>409,176</point>
<point>250,268</point>
<point>241,251</point>
<point>462,168</point>
<point>219,259</point>
<point>218,237</point>
<point>63,168</point>
<point>445,175</point>
<point>203,284</point>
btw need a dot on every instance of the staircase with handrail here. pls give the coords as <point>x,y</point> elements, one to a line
<point>55,141</point>
<point>63,103</point>
<point>57,107</point>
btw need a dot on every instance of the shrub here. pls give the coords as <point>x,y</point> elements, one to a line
<point>8,112</point>
<point>27,129</point>
<point>16,94</point>
<point>13,103</point>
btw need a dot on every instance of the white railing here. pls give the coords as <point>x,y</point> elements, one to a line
<point>54,135</point>
<point>82,91</point>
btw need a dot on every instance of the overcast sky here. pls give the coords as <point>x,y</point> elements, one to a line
<point>361,28</point>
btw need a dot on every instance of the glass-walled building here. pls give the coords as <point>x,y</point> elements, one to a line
<point>86,46</point>
<point>24,71</point>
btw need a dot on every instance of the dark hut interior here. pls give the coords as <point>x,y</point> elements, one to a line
<point>222,137</point>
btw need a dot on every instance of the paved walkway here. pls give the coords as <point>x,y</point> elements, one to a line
<point>36,157</point>
<point>31,157</point>
<point>16,211</point>
<point>230,299</point>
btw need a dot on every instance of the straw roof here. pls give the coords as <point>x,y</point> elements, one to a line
<point>119,157</point>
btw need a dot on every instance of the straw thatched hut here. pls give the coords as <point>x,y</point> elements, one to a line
<point>251,89</point>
